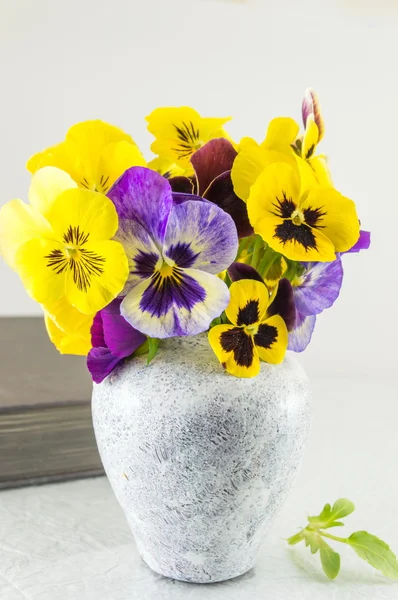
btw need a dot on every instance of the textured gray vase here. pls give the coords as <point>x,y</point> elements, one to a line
<point>200,461</point>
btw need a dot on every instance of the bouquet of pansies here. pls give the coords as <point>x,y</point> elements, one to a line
<point>243,240</point>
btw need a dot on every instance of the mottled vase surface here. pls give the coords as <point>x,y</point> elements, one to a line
<point>200,461</point>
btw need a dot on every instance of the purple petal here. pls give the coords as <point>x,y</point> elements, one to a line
<point>319,288</point>
<point>182,185</point>
<point>206,232</point>
<point>144,196</point>
<point>311,106</point>
<point>97,332</point>
<point>301,335</point>
<point>221,192</point>
<point>214,158</point>
<point>363,242</point>
<point>307,107</point>
<point>283,304</point>
<point>100,363</point>
<point>185,306</point>
<point>121,339</point>
<point>238,271</point>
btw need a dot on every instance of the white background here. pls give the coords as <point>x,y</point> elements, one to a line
<point>63,62</point>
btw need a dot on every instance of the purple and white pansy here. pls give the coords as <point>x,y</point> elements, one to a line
<point>175,250</point>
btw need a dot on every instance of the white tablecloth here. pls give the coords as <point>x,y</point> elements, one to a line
<point>71,542</point>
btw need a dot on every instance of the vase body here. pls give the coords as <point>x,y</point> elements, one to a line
<point>200,461</point>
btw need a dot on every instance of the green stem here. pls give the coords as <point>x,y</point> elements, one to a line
<point>258,242</point>
<point>267,261</point>
<point>296,538</point>
<point>243,244</point>
<point>332,537</point>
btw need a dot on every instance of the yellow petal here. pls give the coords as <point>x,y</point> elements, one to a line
<point>276,188</point>
<point>46,185</point>
<point>68,318</point>
<point>115,160</point>
<point>19,223</point>
<point>310,139</point>
<point>321,171</point>
<point>98,277</point>
<point>89,213</point>
<point>271,340</point>
<point>244,361</point>
<point>78,343</point>
<point>64,156</point>
<point>251,161</point>
<point>338,218</point>
<point>33,264</point>
<point>165,167</point>
<point>281,134</point>
<point>180,131</point>
<point>248,303</point>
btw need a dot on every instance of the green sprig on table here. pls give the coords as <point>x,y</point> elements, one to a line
<point>368,547</point>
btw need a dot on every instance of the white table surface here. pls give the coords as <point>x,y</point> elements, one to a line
<point>70,541</point>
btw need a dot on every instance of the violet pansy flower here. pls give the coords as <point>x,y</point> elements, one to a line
<point>113,339</point>
<point>174,251</point>
<point>314,291</point>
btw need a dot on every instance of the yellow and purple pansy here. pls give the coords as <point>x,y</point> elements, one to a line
<point>255,332</point>
<point>175,246</point>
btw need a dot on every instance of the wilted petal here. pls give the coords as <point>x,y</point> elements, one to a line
<point>202,236</point>
<point>283,304</point>
<point>363,242</point>
<point>221,192</point>
<point>238,271</point>
<point>121,339</point>
<point>301,335</point>
<point>319,287</point>
<point>144,196</point>
<point>100,363</point>
<point>214,158</point>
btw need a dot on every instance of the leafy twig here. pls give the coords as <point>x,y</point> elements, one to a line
<point>368,547</point>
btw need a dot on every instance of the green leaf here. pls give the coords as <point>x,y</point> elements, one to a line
<point>153,347</point>
<point>295,539</point>
<point>330,560</point>
<point>313,540</point>
<point>143,349</point>
<point>376,552</point>
<point>329,515</point>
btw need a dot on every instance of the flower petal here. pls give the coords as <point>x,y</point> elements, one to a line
<point>100,363</point>
<point>363,242</point>
<point>338,219</point>
<point>301,335</point>
<point>283,304</point>
<point>281,134</point>
<point>97,332</point>
<point>68,318</point>
<point>221,192</point>
<point>46,185</point>
<point>210,161</point>
<point>202,236</point>
<point>77,342</point>
<point>238,271</point>
<point>19,223</point>
<point>168,308</point>
<point>84,213</point>
<point>182,185</point>
<point>116,158</point>
<point>98,277</point>
<point>121,339</point>
<point>144,196</point>
<point>311,107</point>
<point>235,350</point>
<point>310,139</point>
<point>271,340</point>
<point>180,198</point>
<point>318,287</point>
<point>249,302</point>
<point>42,282</point>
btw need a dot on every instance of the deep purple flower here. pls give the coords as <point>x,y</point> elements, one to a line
<point>174,249</point>
<point>113,339</point>
<point>316,290</point>
<point>363,242</point>
<point>212,164</point>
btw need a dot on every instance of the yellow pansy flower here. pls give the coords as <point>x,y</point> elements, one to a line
<point>300,224</point>
<point>62,245</point>
<point>94,154</point>
<point>165,167</point>
<point>253,335</point>
<point>179,132</point>
<point>67,328</point>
